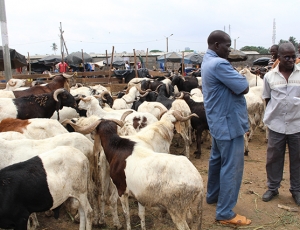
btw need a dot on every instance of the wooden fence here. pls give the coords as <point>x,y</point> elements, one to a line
<point>102,77</point>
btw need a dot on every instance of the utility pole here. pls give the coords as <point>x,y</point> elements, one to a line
<point>62,43</point>
<point>5,47</point>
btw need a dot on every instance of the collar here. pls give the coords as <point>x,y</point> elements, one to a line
<point>296,68</point>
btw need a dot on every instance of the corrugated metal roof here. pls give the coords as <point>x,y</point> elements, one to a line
<point>250,52</point>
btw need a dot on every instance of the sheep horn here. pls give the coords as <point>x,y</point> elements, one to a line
<point>69,76</point>
<point>56,92</point>
<point>162,110</point>
<point>181,96</point>
<point>139,89</point>
<point>83,130</point>
<point>85,98</point>
<point>125,114</point>
<point>179,117</point>
<point>145,94</point>
<point>11,82</point>
<point>51,75</point>
<point>182,77</point>
<point>118,122</point>
<point>104,93</point>
<point>158,87</point>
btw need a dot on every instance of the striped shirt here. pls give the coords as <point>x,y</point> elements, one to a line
<point>282,113</point>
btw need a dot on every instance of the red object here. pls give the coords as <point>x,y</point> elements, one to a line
<point>63,67</point>
<point>19,70</point>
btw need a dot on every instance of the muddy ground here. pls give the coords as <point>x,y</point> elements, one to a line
<point>263,215</point>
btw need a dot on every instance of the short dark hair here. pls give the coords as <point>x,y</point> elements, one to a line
<point>217,36</point>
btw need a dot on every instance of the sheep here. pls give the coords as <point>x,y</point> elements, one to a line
<point>255,107</point>
<point>34,128</point>
<point>91,105</point>
<point>36,106</point>
<point>153,107</point>
<point>252,79</point>
<point>58,81</point>
<point>185,83</point>
<point>196,95</point>
<point>164,180</point>
<point>14,151</point>
<point>44,182</point>
<point>200,123</point>
<point>156,136</point>
<point>126,101</point>
<point>13,84</point>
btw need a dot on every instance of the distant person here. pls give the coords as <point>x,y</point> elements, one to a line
<point>281,93</point>
<point>181,69</point>
<point>273,62</point>
<point>226,111</point>
<point>63,67</point>
<point>127,66</point>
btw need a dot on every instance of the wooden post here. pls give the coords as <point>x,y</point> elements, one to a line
<point>29,64</point>
<point>182,61</point>
<point>106,57</point>
<point>82,60</point>
<point>146,66</point>
<point>111,61</point>
<point>5,47</point>
<point>135,66</point>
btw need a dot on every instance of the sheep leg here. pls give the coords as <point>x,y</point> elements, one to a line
<point>33,222</point>
<point>85,213</point>
<point>186,140</point>
<point>246,144</point>
<point>179,219</point>
<point>113,199</point>
<point>125,207</point>
<point>142,216</point>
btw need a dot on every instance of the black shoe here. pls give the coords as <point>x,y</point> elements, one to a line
<point>296,196</point>
<point>268,195</point>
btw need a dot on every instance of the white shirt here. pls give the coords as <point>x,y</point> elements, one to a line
<point>282,113</point>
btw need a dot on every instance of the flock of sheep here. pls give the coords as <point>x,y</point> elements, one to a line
<point>79,146</point>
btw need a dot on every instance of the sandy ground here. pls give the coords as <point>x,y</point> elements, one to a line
<point>263,215</point>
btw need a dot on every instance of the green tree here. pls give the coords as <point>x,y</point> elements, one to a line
<point>259,49</point>
<point>54,47</point>
<point>155,51</point>
<point>292,40</point>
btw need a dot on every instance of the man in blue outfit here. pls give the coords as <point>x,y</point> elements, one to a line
<point>225,106</point>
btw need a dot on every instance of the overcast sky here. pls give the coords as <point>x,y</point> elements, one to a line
<point>95,26</point>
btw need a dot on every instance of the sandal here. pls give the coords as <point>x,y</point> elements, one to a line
<point>237,220</point>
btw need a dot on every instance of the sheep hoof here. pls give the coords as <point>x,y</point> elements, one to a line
<point>246,153</point>
<point>197,155</point>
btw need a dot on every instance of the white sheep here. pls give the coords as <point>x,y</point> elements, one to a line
<point>44,182</point>
<point>253,80</point>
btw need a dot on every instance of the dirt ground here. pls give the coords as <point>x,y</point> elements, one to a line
<point>263,215</point>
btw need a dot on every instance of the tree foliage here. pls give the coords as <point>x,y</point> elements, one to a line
<point>259,49</point>
<point>54,47</point>
<point>263,50</point>
<point>292,40</point>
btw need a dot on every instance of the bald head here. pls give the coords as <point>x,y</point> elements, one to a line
<point>286,47</point>
<point>217,36</point>
<point>219,42</point>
